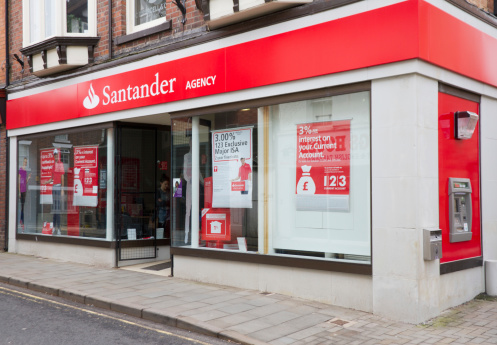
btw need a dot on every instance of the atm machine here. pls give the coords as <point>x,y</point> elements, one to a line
<point>460,212</point>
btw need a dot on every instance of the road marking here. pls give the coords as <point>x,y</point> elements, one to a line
<point>37,299</point>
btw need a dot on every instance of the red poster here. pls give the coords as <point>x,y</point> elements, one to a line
<point>323,161</point>
<point>47,164</point>
<point>85,176</point>
<point>216,224</point>
<point>163,165</point>
<point>208,192</point>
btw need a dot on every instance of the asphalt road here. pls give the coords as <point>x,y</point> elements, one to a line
<point>28,317</point>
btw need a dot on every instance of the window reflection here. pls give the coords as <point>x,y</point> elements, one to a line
<point>62,184</point>
<point>149,10</point>
<point>77,16</point>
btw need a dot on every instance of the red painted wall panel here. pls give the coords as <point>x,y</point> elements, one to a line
<point>380,36</point>
<point>457,158</point>
<point>450,43</point>
<point>367,39</point>
<point>46,107</point>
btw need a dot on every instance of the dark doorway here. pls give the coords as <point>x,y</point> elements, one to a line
<point>143,156</point>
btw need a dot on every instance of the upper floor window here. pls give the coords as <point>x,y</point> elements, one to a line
<point>144,14</point>
<point>48,18</point>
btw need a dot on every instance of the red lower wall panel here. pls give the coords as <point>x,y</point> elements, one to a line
<point>457,158</point>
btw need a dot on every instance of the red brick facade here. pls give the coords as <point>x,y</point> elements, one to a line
<point>193,24</point>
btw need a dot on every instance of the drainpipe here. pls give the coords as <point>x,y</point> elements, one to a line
<point>7,82</point>
<point>110,30</point>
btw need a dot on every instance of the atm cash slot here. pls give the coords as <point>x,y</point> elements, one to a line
<point>460,214</point>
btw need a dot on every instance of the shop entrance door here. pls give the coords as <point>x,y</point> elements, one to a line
<point>142,217</point>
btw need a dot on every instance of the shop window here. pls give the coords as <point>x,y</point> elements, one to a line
<point>145,14</point>
<point>292,179</point>
<point>319,174</point>
<point>62,187</point>
<point>48,18</point>
<point>215,166</point>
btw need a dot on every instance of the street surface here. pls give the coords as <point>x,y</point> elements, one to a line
<point>29,317</point>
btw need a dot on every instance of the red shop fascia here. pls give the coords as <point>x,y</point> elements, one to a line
<point>413,29</point>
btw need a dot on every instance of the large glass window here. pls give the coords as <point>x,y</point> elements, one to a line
<point>215,168</point>
<point>289,179</point>
<point>62,184</point>
<point>77,16</point>
<point>319,175</point>
<point>49,18</point>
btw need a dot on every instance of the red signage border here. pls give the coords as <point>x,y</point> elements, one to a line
<point>412,29</point>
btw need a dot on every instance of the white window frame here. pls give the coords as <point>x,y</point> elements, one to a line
<point>130,19</point>
<point>61,23</point>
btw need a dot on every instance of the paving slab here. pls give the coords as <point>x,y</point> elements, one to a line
<point>241,315</point>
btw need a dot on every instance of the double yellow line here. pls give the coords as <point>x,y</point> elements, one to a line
<point>33,298</point>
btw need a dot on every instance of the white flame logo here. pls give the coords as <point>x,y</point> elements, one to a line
<point>92,100</point>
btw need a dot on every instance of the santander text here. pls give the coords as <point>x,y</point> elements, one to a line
<point>136,92</point>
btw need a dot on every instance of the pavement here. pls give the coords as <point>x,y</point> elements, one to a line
<point>238,315</point>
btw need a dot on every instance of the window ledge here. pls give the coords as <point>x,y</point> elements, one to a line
<point>143,33</point>
<point>81,241</point>
<point>91,242</point>
<point>59,54</point>
<point>275,260</point>
<point>220,13</point>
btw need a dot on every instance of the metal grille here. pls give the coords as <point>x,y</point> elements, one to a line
<point>136,253</point>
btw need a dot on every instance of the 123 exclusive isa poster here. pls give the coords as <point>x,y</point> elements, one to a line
<point>232,168</point>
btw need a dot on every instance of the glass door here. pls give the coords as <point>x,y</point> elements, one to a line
<point>143,191</point>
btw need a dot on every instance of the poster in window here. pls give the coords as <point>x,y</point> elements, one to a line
<point>323,166</point>
<point>232,166</point>
<point>130,175</point>
<point>177,188</point>
<point>47,164</point>
<point>85,176</point>
<point>216,224</point>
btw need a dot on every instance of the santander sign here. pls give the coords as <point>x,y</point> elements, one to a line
<point>163,83</point>
<point>134,92</point>
<point>130,92</point>
<point>92,100</point>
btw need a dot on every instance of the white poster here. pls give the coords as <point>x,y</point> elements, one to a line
<point>232,168</point>
<point>85,176</point>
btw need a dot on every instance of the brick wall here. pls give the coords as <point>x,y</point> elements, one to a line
<point>2,44</point>
<point>15,40</point>
<point>194,22</point>
<point>194,25</point>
